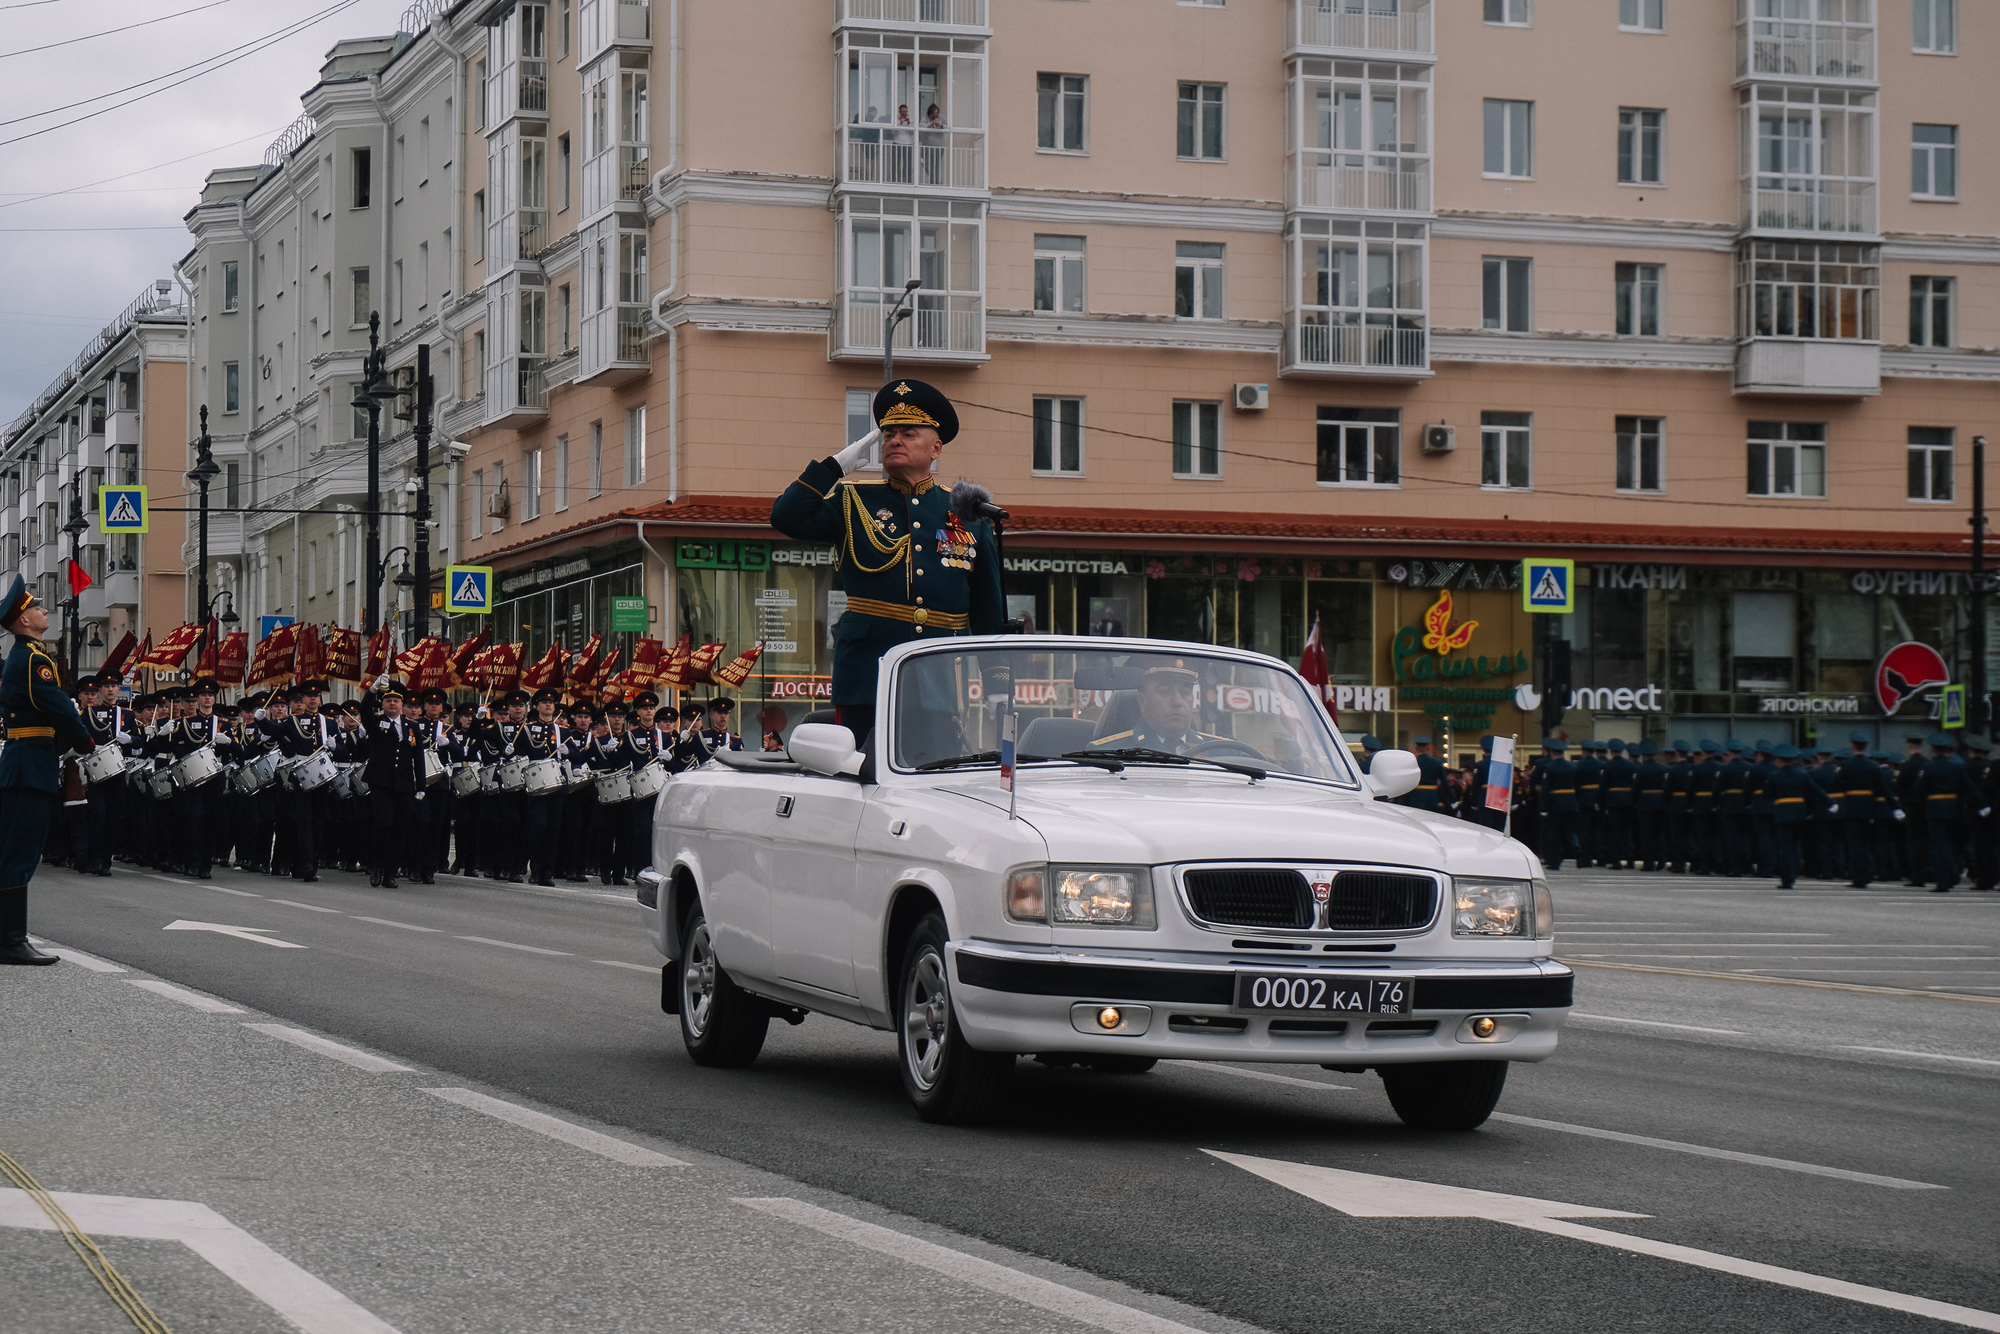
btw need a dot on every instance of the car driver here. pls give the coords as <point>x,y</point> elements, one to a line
<point>1168,705</point>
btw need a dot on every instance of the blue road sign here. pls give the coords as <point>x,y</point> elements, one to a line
<point>1548,585</point>
<point>468,588</point>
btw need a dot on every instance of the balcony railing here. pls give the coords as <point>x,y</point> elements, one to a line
<point>1362,25</point>
<point>1347,181</point>
<point>1320,344</point>
<point>534,230</point>
<point>531,391</point>
<point>958,13</point>
<point>1814,206</point>
<point>631,334</point>
<point>907,155</point>
<point>1774,48</point>
<point>635,165</point>
<point>941,323</point>
<point>635,21</point>
<point>534,85</point>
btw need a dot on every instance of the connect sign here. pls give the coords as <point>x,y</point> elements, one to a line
<point>1548,585</point>
<point>468,588</point>
<point>121,509</point>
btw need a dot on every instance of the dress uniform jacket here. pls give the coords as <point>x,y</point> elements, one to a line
<point>394,750</point>
<point>1430,781</point>
<point>910,563</point>
<point>42,721</point>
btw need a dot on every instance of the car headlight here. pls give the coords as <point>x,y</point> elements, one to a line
<point>1490,907</point>
<point>1082,896</point>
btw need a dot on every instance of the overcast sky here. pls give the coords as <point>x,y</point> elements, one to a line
<point>78,258</point>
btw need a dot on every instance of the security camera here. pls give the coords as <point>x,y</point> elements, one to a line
<point>410,487</point>
<point>457,449</point>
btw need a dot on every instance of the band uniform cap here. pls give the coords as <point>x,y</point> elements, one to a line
<point>314,687</point>
<point>1648,747</point>
<point>18,600</point>
<point>646,699</point>
<point>691,710</point>
<point>518,697</point>
<point>204,686</point>
<point>393,690</point>
<point>430,696</point>
<point>721,704</point>
<point>546,696</point>
<point>614,710</point>
<point>914,403</point>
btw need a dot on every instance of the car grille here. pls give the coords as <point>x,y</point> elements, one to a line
<point>1373,901</point>
<point>1250,897</point>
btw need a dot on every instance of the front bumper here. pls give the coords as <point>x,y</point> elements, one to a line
<point>1012,999</point>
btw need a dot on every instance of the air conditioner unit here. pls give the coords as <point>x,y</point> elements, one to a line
<point>1251,397</point>
<point>1440,439</point>
<point>496,504</point>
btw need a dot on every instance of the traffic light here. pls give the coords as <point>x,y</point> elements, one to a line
<point>1555,684</point>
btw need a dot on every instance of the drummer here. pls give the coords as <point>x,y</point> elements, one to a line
<point>688,751</point>
<point>353,833</point>
<point>102,722</point>
<point>467,810</point>
<point>503,813</point>
<point>573,859</point>
<point>431,816</point>
<point>541,739</point>
<point>609,753</point>
<point>298,731</point>
<point>649,744</point>
<point>196,808</point>
<point>138,820</point>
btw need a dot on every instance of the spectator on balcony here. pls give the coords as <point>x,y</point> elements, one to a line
<point>933,118</point>
<point>903,113</point>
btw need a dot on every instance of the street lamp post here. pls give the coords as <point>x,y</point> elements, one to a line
<point>422,427</point>
<point>900,311</point>
<point>1979,709</point>
<point>203,472</point>
<point>75,528</point>
<point>374,388</point>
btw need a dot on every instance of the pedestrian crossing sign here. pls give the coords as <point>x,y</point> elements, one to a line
<point>1951,707</point>
<point>122,509</point>
<point>468,588</point>
<point>1548,585</point>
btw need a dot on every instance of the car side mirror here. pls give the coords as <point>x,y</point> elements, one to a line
<point>1393,772</point>
<point>826,748</point>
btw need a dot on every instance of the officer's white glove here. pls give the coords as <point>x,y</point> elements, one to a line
<point>1985,811</point>
<point>124,738</point>
<point>381,681</point>
<point>508,751</point>
<point>259,715</point>
<point>1834,809</point>
<point>1899,815</point>
<point>850,458</point>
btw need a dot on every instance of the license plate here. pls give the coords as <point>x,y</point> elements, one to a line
<point>1321,993</point>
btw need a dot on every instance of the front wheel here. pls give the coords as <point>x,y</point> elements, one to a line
<point>721,1024</point>
<point>948,1081</point>
<point>1444,1095</point>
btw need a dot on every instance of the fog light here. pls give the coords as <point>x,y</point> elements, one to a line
<point>1109,1017</point>
<point>1483,1026</point>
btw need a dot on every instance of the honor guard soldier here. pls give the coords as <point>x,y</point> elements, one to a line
<point>915,561</point>
<point>1732,806</point>
<point>1949,799</point>
<point>393,771</point>
<point>1649,806</point>
<point>42,722</point>
<point>1795,799</point>
<point>1558,792</point>
<point>1590,837</point>
<point>1857,790</point>
<point>1765,846</point>
<point>1704,837</point>
<point>197,809</point>
<point>1620,835</point>
<point>1430,778</point>
<point>1822,843</point>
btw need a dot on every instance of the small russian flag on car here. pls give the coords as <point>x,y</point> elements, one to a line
<point>1007,749</point>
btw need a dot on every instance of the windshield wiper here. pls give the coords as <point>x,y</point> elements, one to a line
<point>1147,755</point>
<point>1091,758</point>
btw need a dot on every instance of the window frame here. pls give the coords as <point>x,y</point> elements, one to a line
<point>1500,106</point>
<point>531,485</point>
<point>1507,8</point>
<point>1055,423</point>
<point>559,492</point>
<point>360,287</point>
<point>1772,443</point>
<point>1632,146</point>
<point>1628,305</point>
<point>1924,14</point>
<point>360,177</point>
<point>1189,117</point>
<point>1199,414</point>
<point>1208,275</point>
<point>1659,8</point>
<point>1500,294</point>
<point>1057,125</point>
<point>232,387</point>
<point>1382,435</point>
<point>1629,475</point>
<point>596,459</point>
<point>1060,260</point>
<point>1510,435</point>
<point>1924,307</point>
<point>1929,451</point>
<point>635,445</point>
<point>232,287</point>
<point>1929,155</point>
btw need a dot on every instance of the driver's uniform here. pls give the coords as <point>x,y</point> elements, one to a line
<point>1143,737</point>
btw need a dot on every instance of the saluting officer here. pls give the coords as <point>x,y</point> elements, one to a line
<point>914,559</point>
<point>42,722</point>
<point>395,748</point>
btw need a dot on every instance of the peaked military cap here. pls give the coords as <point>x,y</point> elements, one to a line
<point>313,687</point>
<point>1681,746</point>
<point>547,696</point>
<point>1648,747</point>
<point>1420,741</point>
<point>721,704</point>
<point>392,690</point>
<point>1371,743</point>
<point>518,697</point>
<point>1786,752</point>
<point>1616,745</point>
<point>1858,737</point>
<point>1554,743</point>
<point>614,710</point>
<point>18,600</point>
<point>914,403</point>
<point>203,686</point>
<point>691,710</point>
<point>1941,739</point>
<point>1733,745</point>
<point>646,699</point>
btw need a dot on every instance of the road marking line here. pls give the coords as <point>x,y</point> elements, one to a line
<point>510,945</point>
<point>309,907</point>
<point>1927,1055</point>
<point>1880,972</point>
<point>971,1270</point>
<point>1785,981</point>
<point>196,884</point>
<point>1657,935</point>
<point>632,1155</point>
<point>1656,1023</point>
<point>407,926</point>
<point>1213,1068</point>
<point>206,1004</point>
<point>307,1302</point>
<point>90,962</point>
<point>258,934</point>
<point>1790,1278</point>
<point>1731,1155</point>
<point>353,1056</point>
<point>239,893</point>
<point>635,967</point>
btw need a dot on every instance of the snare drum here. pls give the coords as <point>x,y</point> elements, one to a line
<point>578,777</point>
<point>514,776</point>
<point>102,764</point>
<point>139,772</point>
<point>614,788</point>
<point>465,780</point>
<point>161,784</point>
<point>357,783</point>
<point>433,767</point>
<point>315,771</point>
<point>196,767</point>
<point>489,778</point>
<point>544,777</point>
<point>648,781</point>
<point>259,773</point>
<point>343,782</point>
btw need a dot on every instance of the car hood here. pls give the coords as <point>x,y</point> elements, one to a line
<point>1159,816</point>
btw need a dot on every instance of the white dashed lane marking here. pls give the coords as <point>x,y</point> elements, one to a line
<point>510,945</point>
<point>353,1056</point>
<point>606,1146</point>
<point>193,1000</point>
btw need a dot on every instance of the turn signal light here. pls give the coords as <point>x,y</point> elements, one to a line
<point>1110,1017</point>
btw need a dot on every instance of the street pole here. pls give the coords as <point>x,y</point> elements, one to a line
<point>898,312</point>
<point>203,473</point>
<point>75,528</point>
<point>423,533</point>
<point>370,369</point>
<point>1979,710</point>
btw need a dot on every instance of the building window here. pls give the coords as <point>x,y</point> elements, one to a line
<point>1197,439</point>
<point>561,486</point>
<point>635,445</point>
<point>498,519</point>
<point>396,294</point>
<point>1930,312</point>
<point>1640,133</point>
<point>230,292</point>
<point>478,526</point>
<point>1788,459</point>
<point>1059,104</point>
<point>479,101</point>
<point>1644,15</point>
<point>1503,301</point>
<point>860,417</point>
<point>479,224</point>
<point>563,316</point>
<point>1059,436</point>
<point>1198,280</point>
<point>1360,294</point>
<point>1199,128</point>
<point>1638,300</point>
<point>531,484</point>
<point>562,27</point>
<point>562,166</point>
<point>1505,450</point>
<point>890,241</point>
<point>232,380</point>
<point>1639,454</point>
<point>596,459</point>
<point>1059,273</point>
<point>1934,161</point>
<point>357,422</point>
<point>1510,138</point>
<point>1807,289</point>
<point>1930,463</point>
<point>1512,13</point>
<point>1936,27</point>
<point>1360,446</point>
<point>363,303</point>
<point>232,485</point>
<point>1813,167</point>
<point>361,176</point>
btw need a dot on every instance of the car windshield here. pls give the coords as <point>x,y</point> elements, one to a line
<point>1146,707</point>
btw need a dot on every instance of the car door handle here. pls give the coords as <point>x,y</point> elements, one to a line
<point>784,808</point>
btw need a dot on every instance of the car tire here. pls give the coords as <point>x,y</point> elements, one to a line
<point>1121,1065</point>
<point>948,1081</point>
<point>721,1024</point>
<point>1444,1095</point>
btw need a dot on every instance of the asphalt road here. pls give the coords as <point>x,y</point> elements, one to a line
<point>1767,1076</point>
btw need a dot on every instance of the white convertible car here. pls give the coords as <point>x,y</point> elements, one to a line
<point>1187,864</point>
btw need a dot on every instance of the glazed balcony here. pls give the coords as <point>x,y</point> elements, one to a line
<point>1401,27</point>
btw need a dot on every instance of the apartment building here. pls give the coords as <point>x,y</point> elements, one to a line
<point>1260,314</point>
<point>117,414</point>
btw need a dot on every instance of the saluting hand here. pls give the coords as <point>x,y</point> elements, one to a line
<point>850,458</point>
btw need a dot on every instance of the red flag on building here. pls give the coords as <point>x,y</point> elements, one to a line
<point>79,579</point>
<point>377,661</point>
<point>737,672</point>
<point>343,655</point>
<point>673,674</point>
<point>703,662</point>
<point>548,670</point>
<point>1312,666</point>
<point>233,657</point>
<point>310,664</point>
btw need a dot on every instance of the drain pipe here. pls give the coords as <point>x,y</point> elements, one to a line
<point>666,583</point>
